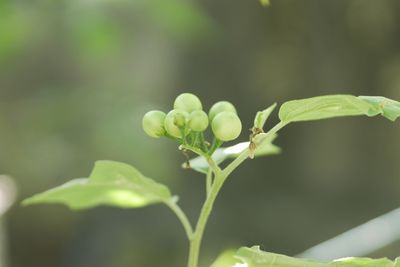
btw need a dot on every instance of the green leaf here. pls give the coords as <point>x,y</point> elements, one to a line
<point>254,257</point>
<point>262,116</point>
<point>388,108</point>
<point>226,259</point>
<point>323,107</point>
<point>110,183</point>
<point>355,262</point>
<point>330,106</point>
<point>221,154</point>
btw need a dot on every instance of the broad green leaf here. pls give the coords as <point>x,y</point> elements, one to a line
<point>262,116</point>
<point>110,183</point>
<point>323,107</point>
<point>367,262</point>
<point>226,259</point>
<point>220,155</point>
<point>388,108</point>
<point>254,257</point>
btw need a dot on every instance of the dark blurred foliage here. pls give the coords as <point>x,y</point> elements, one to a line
<point>76,76</point>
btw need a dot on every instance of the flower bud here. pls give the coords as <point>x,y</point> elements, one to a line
<point>221,107</point>
<point>226,126</point>
<point>175,122</point>
<point>198,121</point>
<point>187,102</point>
<point>153,123</point>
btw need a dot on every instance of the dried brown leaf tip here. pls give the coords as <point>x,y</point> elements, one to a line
<point>252,146</point>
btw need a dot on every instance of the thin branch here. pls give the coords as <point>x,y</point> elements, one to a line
<point>209,181</point>
<point>182,218</point>
<point>194,150</point>
<point>245,154</point>
<point>213,165</point>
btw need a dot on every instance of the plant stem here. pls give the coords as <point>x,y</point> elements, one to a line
<point>215,145</point>
<point>182,218</point>
<point>245,154</point>
<point>195,243</point>
<point>195,139</point>
<point>219,179</point>
<point>203,145</point>
<point>194,150</point>
<point>213,165</point>
<point>209,180</point>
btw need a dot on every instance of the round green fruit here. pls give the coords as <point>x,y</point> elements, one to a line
<point>198,121</point>
<point>175,122</point>
<point>153,123</point>
<point>221,107</point>
<point>226,126</point>
<point>187,102</point>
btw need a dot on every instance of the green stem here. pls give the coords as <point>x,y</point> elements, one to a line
<point>195,243</point>
<point>194,150</point>
<point>209,180</point>
<point>183,133</point>
<point>213,165</point>
<point>245,154</point>
<point>219,179</point>
<point>182,218</point>
<point>195,139</point>
<point>215,145</point>
<point>203,145</point>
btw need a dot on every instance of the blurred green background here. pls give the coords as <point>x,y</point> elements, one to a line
<point>76,77</point>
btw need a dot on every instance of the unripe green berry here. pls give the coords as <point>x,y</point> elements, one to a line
<point>181,119</point>
<point>226,126</point>
<point>153,123</point>
<point>187,102</point>
<point>198,121</point>
<point>175,121</point>
<point>221,107</point>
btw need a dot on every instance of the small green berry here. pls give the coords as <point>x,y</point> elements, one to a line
<point>221,107</point>
<point>175,121</point>
<point>153,123</point>
<point>198,121</point>
<point>181,119</point>
<point>226,126</point>
<point>187,102</point>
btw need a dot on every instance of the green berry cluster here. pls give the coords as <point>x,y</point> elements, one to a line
<point>187,121</point>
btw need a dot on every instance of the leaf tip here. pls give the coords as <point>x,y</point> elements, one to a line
<point>26,202</point>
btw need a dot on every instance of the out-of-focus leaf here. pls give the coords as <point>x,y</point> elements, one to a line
<point>262,116</point>
<point>183,18</point>
<point>220,155</point>
<point>110,183</point>
<point>15,29</point>
<point>254,257</point>
<point>226,259</point>
<point>265,2</point>
<point>96,36</point>
<point>388,108</point>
